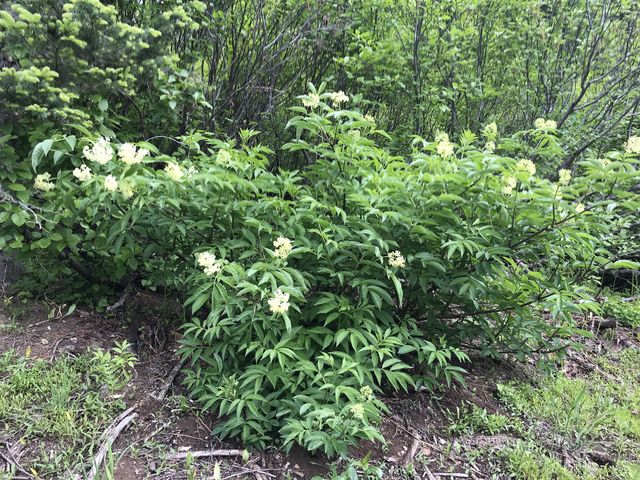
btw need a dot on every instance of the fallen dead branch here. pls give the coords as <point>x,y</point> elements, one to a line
<point>109,436</point>
<point>204,453</point>
<point>167,385</point>
<point>12,461</point>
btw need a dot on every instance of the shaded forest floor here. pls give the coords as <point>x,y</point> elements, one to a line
<point>509,421</point>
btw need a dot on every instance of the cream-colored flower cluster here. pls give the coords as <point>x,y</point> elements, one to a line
<point>101,152</point>
<point>126,189</point>
<point>445,148</point>
<point>357,410</point>
<point>42,182</point>
<point>564,176</point>
<point>527,166</point>
<point>210,265</point>
<point>366,392</point>
<point>510,183</point>
<point>542,124</point>
<point>283,247</point>
<point>223,157</point>
<point>82,173</point>
<point>338,98</point>
<point>633,145</point>
<point>490,146</point>
<point>312,101</point>
<point>396,259</point>
<point>110,183</point>
<point>279,303</point>
<point>490,130</point>
<point>130,154</point>
<point>579,207</point>
<point>173,171</point>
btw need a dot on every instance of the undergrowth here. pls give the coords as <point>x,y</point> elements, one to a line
<point>59,409</point>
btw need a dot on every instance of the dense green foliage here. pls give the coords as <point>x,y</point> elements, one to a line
<point>363,242</point>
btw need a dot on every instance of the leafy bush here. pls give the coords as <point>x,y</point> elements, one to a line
<point>311,291</point>
<point>626,311</point>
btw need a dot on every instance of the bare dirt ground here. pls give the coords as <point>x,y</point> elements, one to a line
<point>416,428</point>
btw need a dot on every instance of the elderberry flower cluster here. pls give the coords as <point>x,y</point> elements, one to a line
<point>312,101</point>
<point>283,247</point>
<point>564,176</point>
<point>110,183</point>
<point>633,145</point>
<point>174,172</point>
<point>338,98</point>
<point>490,130</point>
<point>396,259</point>
<point>527,166</point>
<point>42,182</point>
<point>509,184</point>
<point>357,410</point>
<point>445,147</point>
<point>279,303</point>
<point>82,173</point>
<point>129,154</point>
<point>542,124</point>
<point>210,265</point>
<point>101,152</point>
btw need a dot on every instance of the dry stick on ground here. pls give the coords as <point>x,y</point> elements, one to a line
<point>12,461</point>
<point>55,348</point>
<point>167,385</point>
<point>204,453</point>
<point>110,435</point>
<point>411,453</point>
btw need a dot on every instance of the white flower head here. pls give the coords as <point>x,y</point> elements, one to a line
<point>210,265</point>
<point>101,152</point>
<point>490,130</point>
<point>279,303</point>
<point>369,118</point>
<point>312,102</point>
<point>223,157</point>
<point>527,166</point>
<point>283,247</point>
<point>490,146</point>
<point>509,184</point>
<point>110,183</point>
<point>633,145</point>
<point>396,259</point>
<point>126,189</point>
<point>82,173</point>
<point>357,410</point>
<point>445,147</point>
<point>174,172</point>
<point>564,176</point>
<point>542,124</point>
<point>366,392</point>
<point>130,155</point>
<point>579,207</point>
<point>339,98</point>
<point>42,182</point>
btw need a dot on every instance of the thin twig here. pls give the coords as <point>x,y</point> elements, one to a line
<point>167,385</point>
<point>12,461</point>
<point>110,435</point>
<point>204,453</point>
<point>55,348</point>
